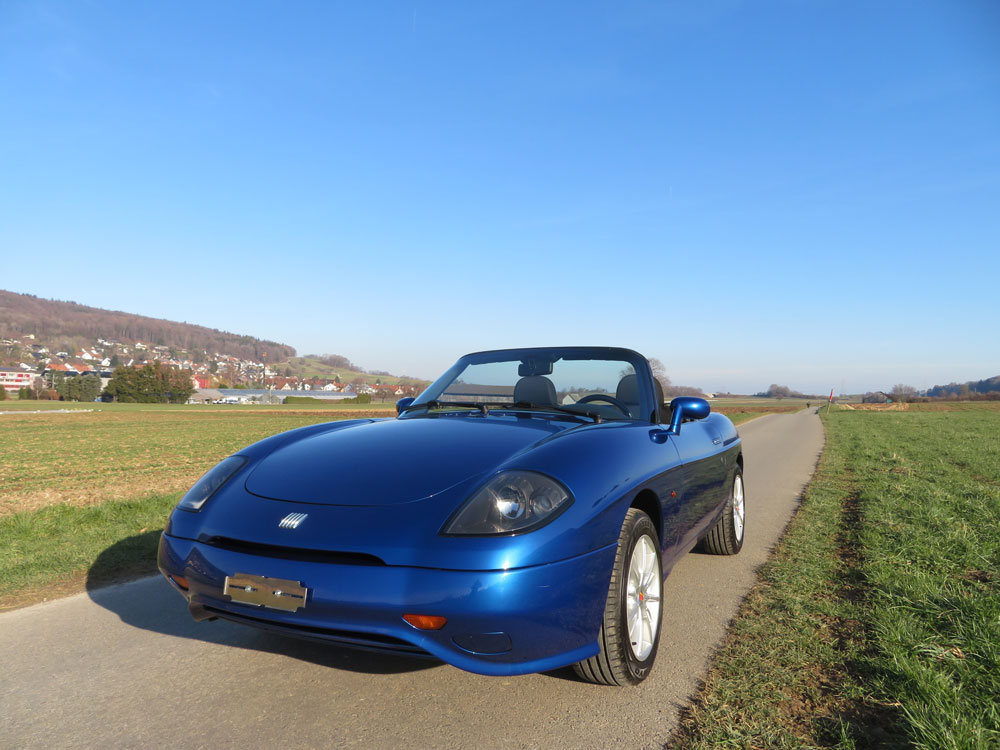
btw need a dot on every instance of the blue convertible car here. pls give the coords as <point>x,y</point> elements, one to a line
<point>520,515</point>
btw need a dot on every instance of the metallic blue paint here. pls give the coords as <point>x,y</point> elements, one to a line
<point>378,492</point>
<point>685,408</point>
<point>548,622</point>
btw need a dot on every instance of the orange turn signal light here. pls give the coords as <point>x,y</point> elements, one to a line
<point>426,622</point>
<point>180,581</point>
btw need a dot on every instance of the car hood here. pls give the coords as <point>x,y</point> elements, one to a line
<point>395,461</point>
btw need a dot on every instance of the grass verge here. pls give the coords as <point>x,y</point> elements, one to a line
<point>877,622</point>
<point>60,549</point>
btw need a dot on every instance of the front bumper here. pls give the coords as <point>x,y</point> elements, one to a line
<point>500,622</point>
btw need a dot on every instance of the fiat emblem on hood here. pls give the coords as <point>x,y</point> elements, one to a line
<point>292,520</point>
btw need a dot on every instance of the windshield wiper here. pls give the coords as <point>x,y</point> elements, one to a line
<point>528,406</point>
<point>446,404</point>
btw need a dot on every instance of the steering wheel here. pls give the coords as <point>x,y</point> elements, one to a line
<point>610,399</point>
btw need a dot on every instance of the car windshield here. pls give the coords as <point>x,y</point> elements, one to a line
<point>599,383</point>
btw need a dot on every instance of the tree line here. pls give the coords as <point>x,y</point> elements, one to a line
<point>967,389</point>
<point>155,383</point>
<point>783,391</point>
<point>86,387</point>
<point>978,390</point>
<point>151,384</point>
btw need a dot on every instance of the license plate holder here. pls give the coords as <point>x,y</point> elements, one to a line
<point>260,591</point>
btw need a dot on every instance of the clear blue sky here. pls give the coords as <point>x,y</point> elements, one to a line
<point>805,193</point>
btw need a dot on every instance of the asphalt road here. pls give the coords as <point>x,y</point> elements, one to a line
<point>126,666</point>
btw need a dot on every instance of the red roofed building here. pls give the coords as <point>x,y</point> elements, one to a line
<point>52,368</point>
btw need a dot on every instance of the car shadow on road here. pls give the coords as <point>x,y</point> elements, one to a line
<point>150,603</point>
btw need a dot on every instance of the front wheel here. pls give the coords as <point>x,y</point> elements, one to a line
<point>630,632</point>
<point>726,537</point>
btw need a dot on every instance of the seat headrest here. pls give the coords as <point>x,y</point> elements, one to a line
<point>628,390</point>
<point>536,389</point>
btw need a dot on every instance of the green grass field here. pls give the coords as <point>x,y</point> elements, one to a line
<point>877,623</point>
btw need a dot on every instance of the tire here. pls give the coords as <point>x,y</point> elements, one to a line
<point>726,537</point>
<point>627,654</point>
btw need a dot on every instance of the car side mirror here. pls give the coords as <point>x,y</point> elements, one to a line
<point>684,408</point>
<point>403,403</point>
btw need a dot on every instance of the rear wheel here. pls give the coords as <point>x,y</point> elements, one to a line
<point>630,632</point>
<point>726,537</point>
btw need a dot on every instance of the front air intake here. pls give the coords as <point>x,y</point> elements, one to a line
<point>293,553</point>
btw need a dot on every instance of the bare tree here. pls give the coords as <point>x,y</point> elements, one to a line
<point>659,372</point>
<point>779,391</point>
<point>903,392</point>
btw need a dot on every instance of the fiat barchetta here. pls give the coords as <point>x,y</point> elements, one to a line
<point>519,515</point>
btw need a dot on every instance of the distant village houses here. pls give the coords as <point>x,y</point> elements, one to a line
<point>41,365</point>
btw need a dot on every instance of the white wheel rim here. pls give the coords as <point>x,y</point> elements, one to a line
<point>642,599</point>
<point>739,508</point>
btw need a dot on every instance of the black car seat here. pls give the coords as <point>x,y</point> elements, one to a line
<point>628,393</point>
<point>535,389</point>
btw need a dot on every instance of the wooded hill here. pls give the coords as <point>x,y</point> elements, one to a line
<point>964,390</point>
<point>55,324</point>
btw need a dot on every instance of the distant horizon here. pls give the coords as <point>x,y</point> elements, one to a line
<point>447,363</point>
<point>794,193</point>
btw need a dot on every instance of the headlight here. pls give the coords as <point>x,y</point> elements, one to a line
<point>209,484</point>
<point>510,503</point>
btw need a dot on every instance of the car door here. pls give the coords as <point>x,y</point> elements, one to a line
<point>669,487</point>
<point>698,449</point>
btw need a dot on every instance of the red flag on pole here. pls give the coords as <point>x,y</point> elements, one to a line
<point>831,395</point>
